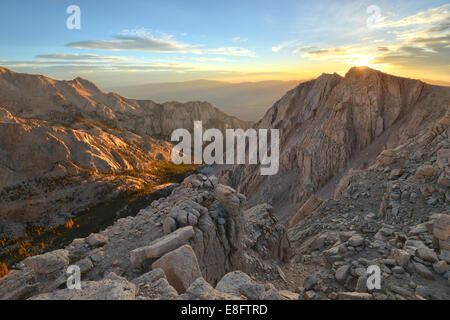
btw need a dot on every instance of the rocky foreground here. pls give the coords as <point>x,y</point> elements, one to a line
<point>199,243</point>
<point>180,247</point>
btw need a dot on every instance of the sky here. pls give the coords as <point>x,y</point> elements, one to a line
<point>146,41</point>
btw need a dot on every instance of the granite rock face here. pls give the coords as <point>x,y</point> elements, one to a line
<point>180,266</point>
<point>64,138</point>
<point>332,124</point>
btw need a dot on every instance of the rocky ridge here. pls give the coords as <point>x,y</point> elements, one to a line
<point>66,146</point>
<point>333,124</point>
<point>38,97</point>
<point>189,245</point>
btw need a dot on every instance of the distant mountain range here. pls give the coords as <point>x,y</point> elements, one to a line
<point>246,100</point>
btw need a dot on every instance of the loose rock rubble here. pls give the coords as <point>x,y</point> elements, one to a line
<point>394,215</point>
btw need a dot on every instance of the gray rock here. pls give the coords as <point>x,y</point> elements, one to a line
<point>427,254</point>
<point>272,294</point>
<point>50,262</point>
<point>149,277</point>
<point>354,296</point>
<point>202,290</point>
<point>355,240</point>
<point>440,267</point>
<point>162,245</point>
<point>310,282</point>
<point>401,257</point>
<point>94,290</point>
<point>342,273</point>
<point>180,266</point>
<point>232,282</point>
<point>169,225</point>
<point>423,271</point>
<point>96,240</point>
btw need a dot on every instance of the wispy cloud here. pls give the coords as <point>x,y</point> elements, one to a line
<point>285,44</point>
<point>135,43</point>
<point>304,49</point>
<point>81,57</point>
<point>430,16</point>
<point>420,40</point>
<point>239,39</point>
<point>147,40</point>
<point>229,51</point>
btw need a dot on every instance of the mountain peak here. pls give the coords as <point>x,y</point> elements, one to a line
<point>358,72</point>
<point>329,75</point>
<point>5,71</point>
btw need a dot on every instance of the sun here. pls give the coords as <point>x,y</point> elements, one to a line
<point>360,60</point>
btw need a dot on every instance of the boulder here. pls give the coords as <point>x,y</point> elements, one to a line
<point>162,245</point>
<point>342,273</point>
<point>427,254</point>
<point>229,199</point>
<point>18,284</point>
<point>440,267</point>
<point>202,290</point>
<point>169,225</point>
<point>423,271</point>
<point>50,262</point>
<point>356,240</point>
<point>154,285</point>
<point>180,266</point>
<point>401,257</point>
<point>441,229</point>
<point>271,294</point>
<point>425,172</point>
<point>107,289</point>
<point>96,240</point>
<point>354,296</point>
<point>238,283</point>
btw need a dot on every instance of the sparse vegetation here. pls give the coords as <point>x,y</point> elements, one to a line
<point>3,270</point>
<point>40,239</point>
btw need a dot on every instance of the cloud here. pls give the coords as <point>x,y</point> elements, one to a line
<point>229,51</point>
<point>326,52</point>
<point>148,40</point>
<point>430,16</point>
<point>284,45</point>
<point>383,49</point>
<point>134,43</point>
<point>239,39</point>
<point>424,43</point>
<point>80,57</point>
<point>100,66</point>
<point>422,57</point>
<point>303,49</point>
<point>419,41</point>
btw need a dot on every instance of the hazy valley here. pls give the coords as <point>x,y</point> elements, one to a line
<point>246,100</point>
